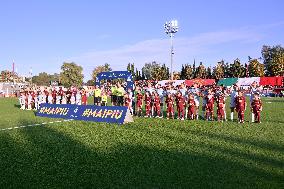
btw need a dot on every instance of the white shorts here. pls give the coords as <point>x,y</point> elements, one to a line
<point>196,103</point>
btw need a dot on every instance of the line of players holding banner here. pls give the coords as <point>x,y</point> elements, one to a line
<point>31,99</point>
<point>183,100</point>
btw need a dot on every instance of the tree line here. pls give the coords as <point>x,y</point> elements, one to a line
<point>270,64</point>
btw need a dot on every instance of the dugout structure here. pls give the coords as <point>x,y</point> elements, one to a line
<point>115,75</point>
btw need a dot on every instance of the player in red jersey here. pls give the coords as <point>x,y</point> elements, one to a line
<point>127,101</point>
<point>170,106</point>
<point>241,106</point>
<point>256,106</point>
<point>46,94</point>
<point>221,101</point>
<point>54,93</point>
<point>209,105</point>
<point>180,105</point>
<point>139,103</point>
<point>191,107</point>
<point>84,97</point>
<point>157,105</point>
<point>148,100</point>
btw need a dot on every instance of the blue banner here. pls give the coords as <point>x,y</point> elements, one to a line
<point>116,75</point>
<point>110,114</point>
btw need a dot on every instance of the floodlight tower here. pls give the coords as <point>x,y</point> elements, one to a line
<point>171,28</point>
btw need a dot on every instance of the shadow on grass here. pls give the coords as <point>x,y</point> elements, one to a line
<point>234,139</point>
<point>46,158</point>
<point>259,159</point>
<point>17,106</point>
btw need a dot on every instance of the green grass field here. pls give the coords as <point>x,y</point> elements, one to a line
<point>149,153</point>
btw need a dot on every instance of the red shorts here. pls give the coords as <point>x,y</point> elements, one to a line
<point>170,109</point>
<point>139,104</point>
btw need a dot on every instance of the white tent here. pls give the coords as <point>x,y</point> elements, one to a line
<point>178,82</point>
<point>247,81</point>
<point>163,82</point>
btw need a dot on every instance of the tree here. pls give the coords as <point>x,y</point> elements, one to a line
<point>255,68</point>
<point>219,70</point>
<point>194,70</point>
<point>143,75</point>
<point>45,79</point>
<point>227,69</point>
<point>41,79</point>
<point>131,68</point>
<point>237,69</point>
<point>90,82</point>
<point>6,76</point>
<point>182,73</point>
<point>128,67</point>
<point>137,75</point>
<point>71,74</point>
<point>188,72</point>
<point>160,73</point>
<point>200,71</point>
<point>156,74</point>
<point>176,75</point>
<point>102,68</point>
<point>209,73</point>
<point>273,60</point>
<point>149,69</point>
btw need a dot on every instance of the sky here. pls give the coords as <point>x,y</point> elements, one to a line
<point>42,34</point>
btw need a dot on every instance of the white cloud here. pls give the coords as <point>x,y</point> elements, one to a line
<point>186,48</point>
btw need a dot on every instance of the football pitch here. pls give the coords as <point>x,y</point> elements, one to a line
<point>38,152</point>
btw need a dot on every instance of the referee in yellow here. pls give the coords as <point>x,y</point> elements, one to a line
<point>120,94</point>
<point>97,96</point>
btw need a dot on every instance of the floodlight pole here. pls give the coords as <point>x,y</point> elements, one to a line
<point>171,27</point>
<point>172,54</point>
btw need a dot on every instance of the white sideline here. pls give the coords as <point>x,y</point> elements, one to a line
<point>33,125</point>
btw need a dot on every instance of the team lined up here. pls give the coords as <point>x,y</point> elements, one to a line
<point>185,101</point>
<point>31,99</point>
<point>155,100</point>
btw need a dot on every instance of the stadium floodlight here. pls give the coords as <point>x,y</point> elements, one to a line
<point>171,28</point>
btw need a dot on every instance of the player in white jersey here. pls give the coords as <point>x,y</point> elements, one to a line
<point>184,93</point>
<point>64,99</point>
<point>50,98</point>
<point>196,93</point>
<point>78,98</point>
<point>43,98</point>
<point>234,94</point>
<point>162,93</point>
<point>30,101</point>
<point>22,100</point>
<point>72,99</point>
<point>58,99</point>
<point>36,101</point>
<point>40,99</point>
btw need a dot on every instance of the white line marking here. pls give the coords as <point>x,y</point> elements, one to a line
<point>32,125</point>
